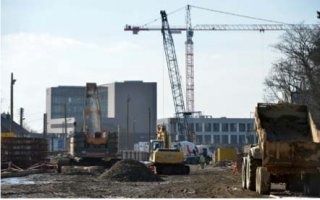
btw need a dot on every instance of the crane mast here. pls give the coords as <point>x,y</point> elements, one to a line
<point>181,110</point>
<point>189,63</point>
<point>174,76</point>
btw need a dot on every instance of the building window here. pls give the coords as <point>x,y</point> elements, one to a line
<point>207,139</point>
<point>233,127</point>
<point>234,139</point>
<point>249,127</point>
<point>242,127</point>
<point>250,139</point>
<point>216,139</point>
<point>207,127</point>
<point>199,139</point>
<point>198,127</point>
<point>216,127</point>
<point>174,127</point>
<point>225,139</point>
<point>225,127</point>
<point>191,127</point>
<point>242,139</point>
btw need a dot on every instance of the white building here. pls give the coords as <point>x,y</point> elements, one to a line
<point>216,132</point>
<point>58,125</point>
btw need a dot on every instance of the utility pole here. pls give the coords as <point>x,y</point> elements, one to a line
<point>21,116</point>
<point>44,125</point>
<point>128,101</point>
<point>11,95</point>
<point>133,132</point>
<point>149,117</point>
<point>65,117</point>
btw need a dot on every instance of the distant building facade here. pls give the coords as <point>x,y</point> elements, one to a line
<point>69,102</point>
<point>129,102</point>
<point>128,105</point>
<point>216,132</point>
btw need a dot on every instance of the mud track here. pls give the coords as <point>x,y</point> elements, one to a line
<point>207,183</point>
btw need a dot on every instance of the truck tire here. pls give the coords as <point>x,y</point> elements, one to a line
<point>243,173</point>
<point>311,184</point>
<point>252,165</point>
<point>262,180</point>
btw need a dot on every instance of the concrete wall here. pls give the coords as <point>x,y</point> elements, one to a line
<point>139,96</point>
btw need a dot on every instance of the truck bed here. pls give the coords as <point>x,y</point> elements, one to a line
<point>287,137</point>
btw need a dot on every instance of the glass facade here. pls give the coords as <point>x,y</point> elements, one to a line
<point>225,127</point>
<point>225,139</point>
<point>233,127</point>
<point>234,139</point>
<point>191,127</point>
<point>70,101</point>
<point>207,139</point>
<point>216,139</point>
<point>242,127</point>
<point>207,127</point>
<point>198,127</point>
<point>199,139</point>
<point>216,127</point>
<point>249,127</point>
<point>242,139</point>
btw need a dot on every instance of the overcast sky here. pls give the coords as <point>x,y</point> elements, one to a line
<point>47,43</point>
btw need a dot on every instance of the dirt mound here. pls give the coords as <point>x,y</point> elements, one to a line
<point>129,171</point>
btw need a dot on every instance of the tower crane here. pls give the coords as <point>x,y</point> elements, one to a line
<point>180,109</point>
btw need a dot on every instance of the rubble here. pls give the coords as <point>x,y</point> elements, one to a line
<point>130,171</point>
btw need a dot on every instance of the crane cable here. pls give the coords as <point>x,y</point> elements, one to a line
<point>172,12</point>
<point>238,15</point>
<point>217,11</point>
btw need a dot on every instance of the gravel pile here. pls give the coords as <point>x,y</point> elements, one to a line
<point>129,171</point>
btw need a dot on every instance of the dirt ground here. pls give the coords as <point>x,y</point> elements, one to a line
<point>207,183</point>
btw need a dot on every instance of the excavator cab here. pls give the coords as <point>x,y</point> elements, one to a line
<point>164,159</point>
<point>156,144</point>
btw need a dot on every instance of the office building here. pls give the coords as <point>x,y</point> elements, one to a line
<point>129,107</point>
<point>216,132</point>
<point>130,103</point>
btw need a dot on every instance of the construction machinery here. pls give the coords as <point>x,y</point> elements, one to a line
<point>288,150</point>
<point>92,146</point>
<point>183,112</point>
<point>163,158</point>
<point>175,79</point>
<point>189,29</point>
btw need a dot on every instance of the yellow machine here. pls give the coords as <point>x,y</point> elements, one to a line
<point>166,160</point>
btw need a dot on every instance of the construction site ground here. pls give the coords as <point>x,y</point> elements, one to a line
<point>210,182</point>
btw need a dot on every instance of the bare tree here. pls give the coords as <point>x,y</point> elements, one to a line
<point>296,76</point>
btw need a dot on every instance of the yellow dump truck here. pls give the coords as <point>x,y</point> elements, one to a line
<point>288,150</point>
